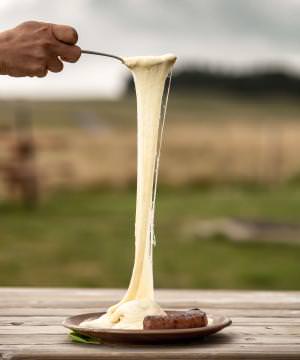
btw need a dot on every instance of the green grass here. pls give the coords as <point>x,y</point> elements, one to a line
<point>85,238</point>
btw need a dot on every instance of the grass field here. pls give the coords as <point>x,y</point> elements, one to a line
<point>85,238</point>
<point>208,139</point>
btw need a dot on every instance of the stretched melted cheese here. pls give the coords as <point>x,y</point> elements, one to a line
<point>149,73</point>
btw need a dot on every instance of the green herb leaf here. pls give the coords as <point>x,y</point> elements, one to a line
<point>83,339</point>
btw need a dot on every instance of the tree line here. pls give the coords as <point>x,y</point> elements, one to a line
<point>272,81</point>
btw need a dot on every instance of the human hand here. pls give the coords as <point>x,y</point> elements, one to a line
<point>32,48</point>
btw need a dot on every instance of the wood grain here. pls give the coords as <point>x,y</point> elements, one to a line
<point>266,325</point>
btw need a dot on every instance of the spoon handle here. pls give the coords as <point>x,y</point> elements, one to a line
<point>102,54</point>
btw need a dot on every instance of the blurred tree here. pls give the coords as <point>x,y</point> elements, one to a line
<point>262,82</point>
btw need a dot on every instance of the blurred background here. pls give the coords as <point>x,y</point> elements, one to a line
<point>229,186</point>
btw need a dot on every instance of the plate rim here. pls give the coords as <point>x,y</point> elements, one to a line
<point>225,321</point>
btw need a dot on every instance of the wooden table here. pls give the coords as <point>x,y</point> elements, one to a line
<point>266,325</point>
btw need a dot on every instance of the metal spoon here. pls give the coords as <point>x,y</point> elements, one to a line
<point>103,54</point>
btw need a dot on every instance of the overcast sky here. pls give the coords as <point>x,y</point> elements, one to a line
<point>220,33</point>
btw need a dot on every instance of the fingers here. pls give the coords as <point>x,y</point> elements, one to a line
<point>67,52</point>
<point>38,71</point>
<point>55,65</point>
<point>66,37</point>
<point>42,72</point>
<point>65,34</point>
<point>71,54</point>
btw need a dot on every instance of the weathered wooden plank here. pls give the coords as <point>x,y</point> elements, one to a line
<point>48,303</point>
<point>57,320</point>
<point>251,321</point>
<point>23,329</point>
<point>203,351</point>
<point>285,313</point>
<point>108,293</point>
<point>31,320</point>
<point>238,329</point>
<point>166,304</point>
<point>37,297</point>
<point>33,339</point>
<point>21,311</point>
<point>238,337</point>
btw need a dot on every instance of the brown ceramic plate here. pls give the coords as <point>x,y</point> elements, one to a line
<point>216,323</point>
